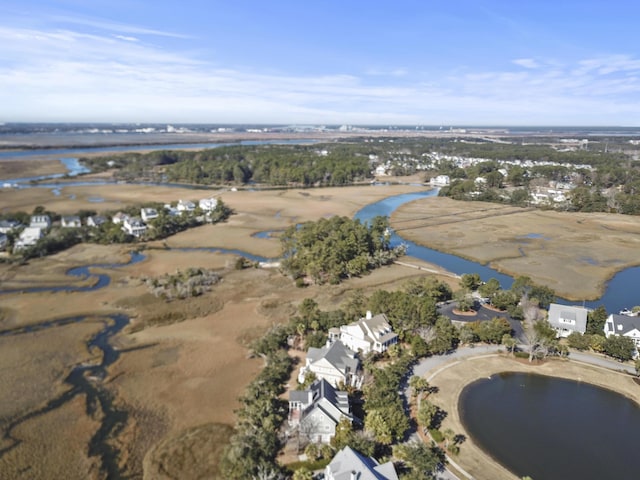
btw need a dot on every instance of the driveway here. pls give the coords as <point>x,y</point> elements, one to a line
<point>483,314</point>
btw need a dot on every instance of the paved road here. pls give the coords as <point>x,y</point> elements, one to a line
<point>430,366</point>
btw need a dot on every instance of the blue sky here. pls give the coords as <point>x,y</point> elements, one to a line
<point>501,62</point>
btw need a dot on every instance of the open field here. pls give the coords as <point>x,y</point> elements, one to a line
<point>452,378</point>
<point>30,168</point>
<point>573,253</point>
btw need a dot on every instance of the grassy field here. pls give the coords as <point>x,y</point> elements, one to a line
<point>573,253</point>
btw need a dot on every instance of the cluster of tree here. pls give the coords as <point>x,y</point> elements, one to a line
<point>330,250</point>
<point>385,415</point>
<point>302,165</point>
<point>254,446</point>
<point>192,282</point>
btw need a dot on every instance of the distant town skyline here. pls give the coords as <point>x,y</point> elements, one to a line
<point>407,62</point>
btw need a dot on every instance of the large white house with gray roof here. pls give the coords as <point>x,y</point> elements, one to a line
<point>624,326</point>
<point>349,464</point>
<point>566,319</point>
<point>334,363</point>
<point>316,412</point>
<point>369,334</point>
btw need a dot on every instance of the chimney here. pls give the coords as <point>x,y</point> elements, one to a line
<point>368,314</point>
<point>354,475</point>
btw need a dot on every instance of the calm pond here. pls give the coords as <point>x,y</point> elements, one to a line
<point>552,428</point>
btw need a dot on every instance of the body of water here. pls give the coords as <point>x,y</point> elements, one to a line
<point>622,291</point>
<point>552,428</point>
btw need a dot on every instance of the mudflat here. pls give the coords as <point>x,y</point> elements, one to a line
<point>572,253</point>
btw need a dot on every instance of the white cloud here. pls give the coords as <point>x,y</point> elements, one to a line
<point>63,74</point>
<point>526,63</point>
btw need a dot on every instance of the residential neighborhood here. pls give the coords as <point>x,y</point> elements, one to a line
<point>18,238</point>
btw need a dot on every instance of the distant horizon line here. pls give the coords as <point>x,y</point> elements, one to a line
<point>322,125</point>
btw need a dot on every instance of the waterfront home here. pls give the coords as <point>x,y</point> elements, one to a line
<point>134,226</point>
<point>119,218</point>
<point>172,211</point>
<point>625,326</point>
<point>316,412</point>
<point>148,214</point>
<point>71,221</point>
<point>186,206</point>
<point>40,221</point>
<point>7,226</point>
<point>208,204</point>
<point>566,319</point>
<point>372,333</point>
<point>95,221</point>
<point>334,363</point>
<point>349,464</point>
<point>28,238</point>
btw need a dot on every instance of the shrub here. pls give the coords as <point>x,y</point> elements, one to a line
<point>437,435</point>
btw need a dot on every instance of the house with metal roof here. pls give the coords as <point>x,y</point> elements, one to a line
<point>316,412</point>
<point>334,363</point>
<point>372,333</point>
<point>566,319</point>
<point>349,464</point>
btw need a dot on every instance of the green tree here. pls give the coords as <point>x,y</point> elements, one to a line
<point>470,281</point>
<point>619,347</point>
<point>421,460</point>
<point>579,341</point>
<point>596,319</point>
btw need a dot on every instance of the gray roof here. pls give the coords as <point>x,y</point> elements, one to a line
<point>348,460</point>
<point>623,324</point>
<point>321,392</point>
<point>576,317</point>
<point>336,354</point>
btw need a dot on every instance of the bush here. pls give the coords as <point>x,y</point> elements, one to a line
<point>521,355</point>
<point>437,435</point>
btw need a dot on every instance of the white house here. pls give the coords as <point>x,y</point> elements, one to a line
<point>28,238</point>
<point>40,221</point>
<point>369,334</point>
<point>334,363</point>
<point>623,325</point>
<point>148,214</point>
<point>71,221</point>
<point>173,211</point>
<point>440,181</point>
<point>316,412</point>
<point>349,464</point>
<point>208,204</point>
<point>381,170</point>
<point>566,319</point>
<point>134,226</point>
<point>119,218</point>
<point>95,221</point>
<point>186,206</point>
